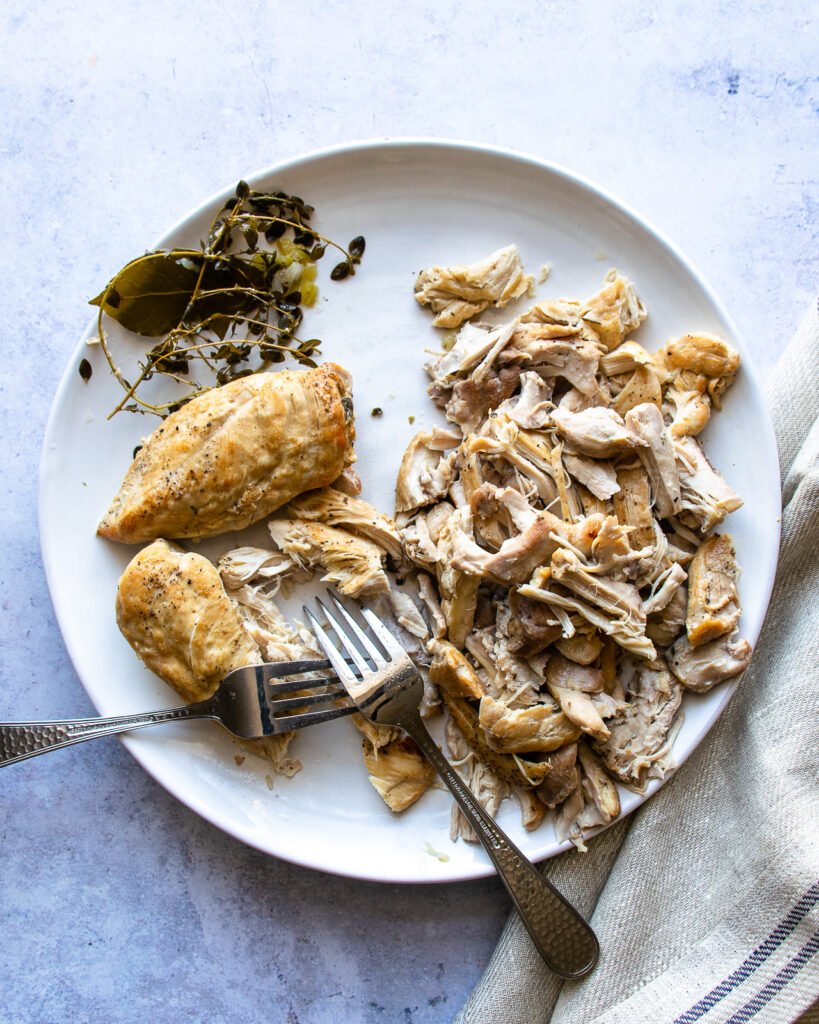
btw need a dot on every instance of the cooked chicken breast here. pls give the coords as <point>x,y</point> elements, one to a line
<point>173,610</point>
<point>235,454</point>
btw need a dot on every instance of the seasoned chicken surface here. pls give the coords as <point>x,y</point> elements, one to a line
<point>458,293</point>
<point>235,454</point>
<point>173,610</point>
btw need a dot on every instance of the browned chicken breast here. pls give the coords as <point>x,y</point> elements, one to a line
<point>235,454</point>
<point>173,610</point>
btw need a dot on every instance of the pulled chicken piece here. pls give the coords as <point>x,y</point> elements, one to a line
<point>632,505</point>
<point>473,354</point>
<point>642,387</point>
<point>472,400</point>
<point>519,556</point>
<point>563,776</point>
<point>615,311</point>
<point>619,602</point>
<point>690,409</point>
<point>660,597</point>
<point>580,709</point>
<point>704,355</point>
<point>713,600</point>
<point>399,772</point>
<point>352,563</point>
<point>598,432</point>
<point>573,359</point>
<point>597,785</point>
<point>459,590</point>
<point>512,768</point>
<point>426,472</point>
<point>240,565</point>
<point>598,476</point>
<point>646,421</point>
<point>701,668</point>
<point>450,670</point>
<point>531,627</point>
<point>530,409</point>
<point>706,499</point>
<point>566,674</point>
<point>626,358</point>
<point>333,508</point>
<point>457,293</point>
<point>664,626</point>
<point>639,739</point>
<point>542,727</point>
<point>582,648</point>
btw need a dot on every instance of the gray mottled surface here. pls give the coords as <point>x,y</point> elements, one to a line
<point>116,903</point>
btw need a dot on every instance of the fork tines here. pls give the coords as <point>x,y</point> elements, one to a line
<point>366,649</point>
<point>324,693</point>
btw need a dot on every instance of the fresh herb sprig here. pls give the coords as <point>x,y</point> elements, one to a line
<point>239,295</point>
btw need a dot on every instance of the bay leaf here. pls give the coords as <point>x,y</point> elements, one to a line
<point>152,292</point>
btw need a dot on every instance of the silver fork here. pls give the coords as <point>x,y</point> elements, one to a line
<point>387,688</point>
<point>247,704</point>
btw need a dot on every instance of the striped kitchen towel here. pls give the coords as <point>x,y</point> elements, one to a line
<point>706,901</point>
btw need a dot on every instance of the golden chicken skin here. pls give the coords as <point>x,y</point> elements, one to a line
<point>235,454</point>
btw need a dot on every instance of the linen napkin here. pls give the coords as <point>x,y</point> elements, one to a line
<point>706,900</point>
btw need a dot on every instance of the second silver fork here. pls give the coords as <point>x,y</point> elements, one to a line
<point>384,683</point>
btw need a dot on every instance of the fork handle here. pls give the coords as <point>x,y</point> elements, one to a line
<point>562,937</point>
<point>19,740</point>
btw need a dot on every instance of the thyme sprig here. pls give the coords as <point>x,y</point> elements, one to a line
<point>238,296</point>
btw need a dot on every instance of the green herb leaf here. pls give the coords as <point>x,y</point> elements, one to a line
<point>152,292</point>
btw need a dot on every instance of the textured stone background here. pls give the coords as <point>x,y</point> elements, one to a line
<point>116,903</point>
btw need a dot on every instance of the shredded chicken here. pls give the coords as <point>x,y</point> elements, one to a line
<point>569,523</point>
<point>352,563</point>
<point>706,498</point>
<point>701,668</point>
<point>615,311</point>
<point>541,727</point>
<point>559,587</point>
<point>399,772</point>
<point>658,458</point>
<point>457,293</point>
<point>713,600</point>
<point>563,777</point>
<point>598,432</point>
<point>638,740</point>
<point>333,508</point>
<point>426,472</point>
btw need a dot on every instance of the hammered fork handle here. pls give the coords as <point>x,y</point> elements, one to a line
<point>19,740</point>
<point>561,935</point>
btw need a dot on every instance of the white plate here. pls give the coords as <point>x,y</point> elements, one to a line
<point>418,202</point>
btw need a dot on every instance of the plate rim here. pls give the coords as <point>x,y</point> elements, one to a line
<point>385,143</point>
